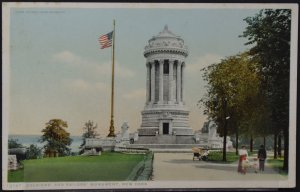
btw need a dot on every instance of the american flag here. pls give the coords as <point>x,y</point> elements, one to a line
<point>106,40</point>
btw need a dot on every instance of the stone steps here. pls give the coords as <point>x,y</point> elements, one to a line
<point>168,147</point>
<point>166,139</point>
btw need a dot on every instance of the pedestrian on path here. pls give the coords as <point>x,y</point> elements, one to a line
<point>255,164</point>
<point>262,155</point>
<point>243,160</point>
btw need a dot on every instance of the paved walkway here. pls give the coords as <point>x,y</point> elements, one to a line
<point>180,166</point>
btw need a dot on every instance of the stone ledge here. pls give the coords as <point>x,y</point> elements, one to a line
<point>143,170</point>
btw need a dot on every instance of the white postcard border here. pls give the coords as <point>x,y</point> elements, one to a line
<point>290,182</point>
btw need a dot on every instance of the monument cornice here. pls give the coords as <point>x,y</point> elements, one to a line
<point>163,56</point>
<point>171,111</point>
<point>169,50</point>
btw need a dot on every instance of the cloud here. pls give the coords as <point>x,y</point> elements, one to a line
<point>83,85</point>
<point>202,62</point>
<point>120,71</point>
<point>69,58</point>
<point>135,94</point>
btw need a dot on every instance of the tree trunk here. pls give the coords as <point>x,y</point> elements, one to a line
<point>236,142</point>
<point>265,141</point>
<point>224,141</point>
<point>275,146</point>
<point>251,143</point>
<point>279,145</point>
<point>224,101</point>
<point>286,149</point>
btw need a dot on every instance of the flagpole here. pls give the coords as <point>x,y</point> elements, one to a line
<point>111,128</point>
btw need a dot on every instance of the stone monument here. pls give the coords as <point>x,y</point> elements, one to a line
<point>12,162</point>
<point>210,136</point>
<point>165,118</point>
<point>165,112</point>
<point>123,138</point>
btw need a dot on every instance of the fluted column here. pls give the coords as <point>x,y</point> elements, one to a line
<point>178,84</point>
<point>171,85</point>
<point>161,80</point>
<point>152,98</point>
<point>148,84</point>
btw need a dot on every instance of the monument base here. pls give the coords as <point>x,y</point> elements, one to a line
<point>166,139</point>
<point>165,121</point>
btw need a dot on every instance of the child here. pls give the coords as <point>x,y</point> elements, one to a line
<point>255,164</point>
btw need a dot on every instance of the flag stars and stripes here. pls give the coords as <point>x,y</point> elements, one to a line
<point>106,40</point>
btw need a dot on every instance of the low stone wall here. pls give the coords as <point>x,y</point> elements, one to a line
<point>19,152</point>
<point>143,171</point>
<point>131,150</point>
<point>107,144</point>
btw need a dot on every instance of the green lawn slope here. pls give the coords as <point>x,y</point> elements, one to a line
<point>106,167</point>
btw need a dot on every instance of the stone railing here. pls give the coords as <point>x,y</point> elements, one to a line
<point>107,144</point>
<point>143,171</point>
<point>131,149</point>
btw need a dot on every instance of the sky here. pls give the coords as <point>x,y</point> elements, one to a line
<point>57,69</point>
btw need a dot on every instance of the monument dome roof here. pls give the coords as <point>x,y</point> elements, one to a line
<point>166,33</point>
<point>166,41</point>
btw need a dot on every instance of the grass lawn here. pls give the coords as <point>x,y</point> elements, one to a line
<point>217,156</point>
<point>106,167</point>
<point>277,164</point>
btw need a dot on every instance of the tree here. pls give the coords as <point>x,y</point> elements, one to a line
<point>90,132</point>
<point>270,32</point>
<point>232,84</point>
<point>56,137</point>
<point>33,152</point>
<point>14,143</point>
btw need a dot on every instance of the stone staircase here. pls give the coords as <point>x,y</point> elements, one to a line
<point>166,139</point>
<point>166,142</point>
<point>158,139</point>
<point>185,140</point>
<point>166,146</point>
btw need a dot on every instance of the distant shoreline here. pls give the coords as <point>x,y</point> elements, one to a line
<point>27,140</point>
<point>37,135</point>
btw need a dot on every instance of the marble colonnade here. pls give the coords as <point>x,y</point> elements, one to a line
<point>156,71</point>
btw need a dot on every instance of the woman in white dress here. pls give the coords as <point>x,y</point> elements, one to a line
<point>242,160</point>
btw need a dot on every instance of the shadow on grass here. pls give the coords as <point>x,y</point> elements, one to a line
<point>277,165</point>
<point>214,157</point>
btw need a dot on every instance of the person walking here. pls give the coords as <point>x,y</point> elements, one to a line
<point>262,155</point>
<point>243,159</point>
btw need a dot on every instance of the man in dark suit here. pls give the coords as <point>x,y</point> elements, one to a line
<point>262,155</point>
